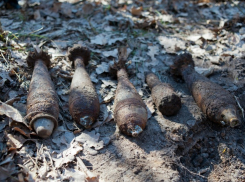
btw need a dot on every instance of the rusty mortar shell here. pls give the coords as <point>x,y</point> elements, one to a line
<point>84,103</point>
<point>216,102</point>
<point>129,109</point>
<point>42,100</point>
<point>163,95</point>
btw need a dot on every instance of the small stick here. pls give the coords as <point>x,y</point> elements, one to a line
<point>89,174</point>
<point>239,105</point>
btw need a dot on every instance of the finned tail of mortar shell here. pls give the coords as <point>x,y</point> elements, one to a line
<point>152,80</point>
<point>180,63</point>
<point>34,56</point>
<point>76,52</point>
<point>121,64</point>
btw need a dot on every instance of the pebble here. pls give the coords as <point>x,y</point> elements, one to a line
<point>191,123</point>
<point>237,174</point>
<point>242,31</point>
<point>197,160</point>
<point>106,140</point>
<point>202,171</point>
<point>210,48</point>
<point>205,155</point>
<point>223,134</point>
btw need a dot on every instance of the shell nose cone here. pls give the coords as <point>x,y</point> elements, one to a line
<point>136,130</point>
<point>234,122</point>
<point>86,121</point>
<point>43,127</point>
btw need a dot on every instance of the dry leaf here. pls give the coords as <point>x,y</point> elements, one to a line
<point>16,141</point>
<point>87,9</point>
<point>16,121</point>
<point>205,71</point>
<point>150,107</point>
<point>171,45</point>
<point>37,15</point>
<point>68,155</point>
<point>90,177</point>
<point>9,157</point>
<point>136,11</point>
<point>56,7</point>
<point>100,39</point>
<point>112,53</point>
<point>5,173</point>
<point>75,175</point>
<point>11,112</point>
<point>90,140</point>
<point>153,50</point>
<point>66,9</point>
<point>103,67</point>
<point>196,50</point>
<point>4,74</point>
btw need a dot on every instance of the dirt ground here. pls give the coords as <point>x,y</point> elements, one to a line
<point>184,147</point>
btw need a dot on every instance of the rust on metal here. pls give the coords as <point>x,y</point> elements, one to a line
<point>163,95</point>
<point>42,100</point>
<point>84,104</point>
<point>129,109</point>
<point>216,102</point>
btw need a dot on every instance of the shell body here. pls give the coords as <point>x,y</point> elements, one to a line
<point>84,104</point>
<point>163,95</point>
<point>42,100</point>
<point>216,102</point>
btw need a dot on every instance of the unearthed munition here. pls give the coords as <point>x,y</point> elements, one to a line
<point>217,103</point>
<point>163,95</point>
<point>42,100</point>
<point>84,104</point>
<point>129,110</point>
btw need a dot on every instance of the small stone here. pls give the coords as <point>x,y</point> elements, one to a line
<point>143,46</point>
<point>197,160</point>
<point>205,155</point>
<point>191,123</point>
<point>223,134</point>
<point>198,146</point>
<point>106,140</point>
<point>119,155</point>
<point>210,48</point>
<point>242,31</point>
<point>202,171</point>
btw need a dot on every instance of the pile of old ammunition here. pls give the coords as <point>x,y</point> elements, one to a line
<point>130,112</point>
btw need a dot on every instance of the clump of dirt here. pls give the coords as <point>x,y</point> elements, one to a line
<point>235,24</point>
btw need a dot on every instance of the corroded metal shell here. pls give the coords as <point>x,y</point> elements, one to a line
<point>84,104</point>
<point>216,102</point>
<point>129,109</point>
<point>163,95</point>
<point>42,100</point>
